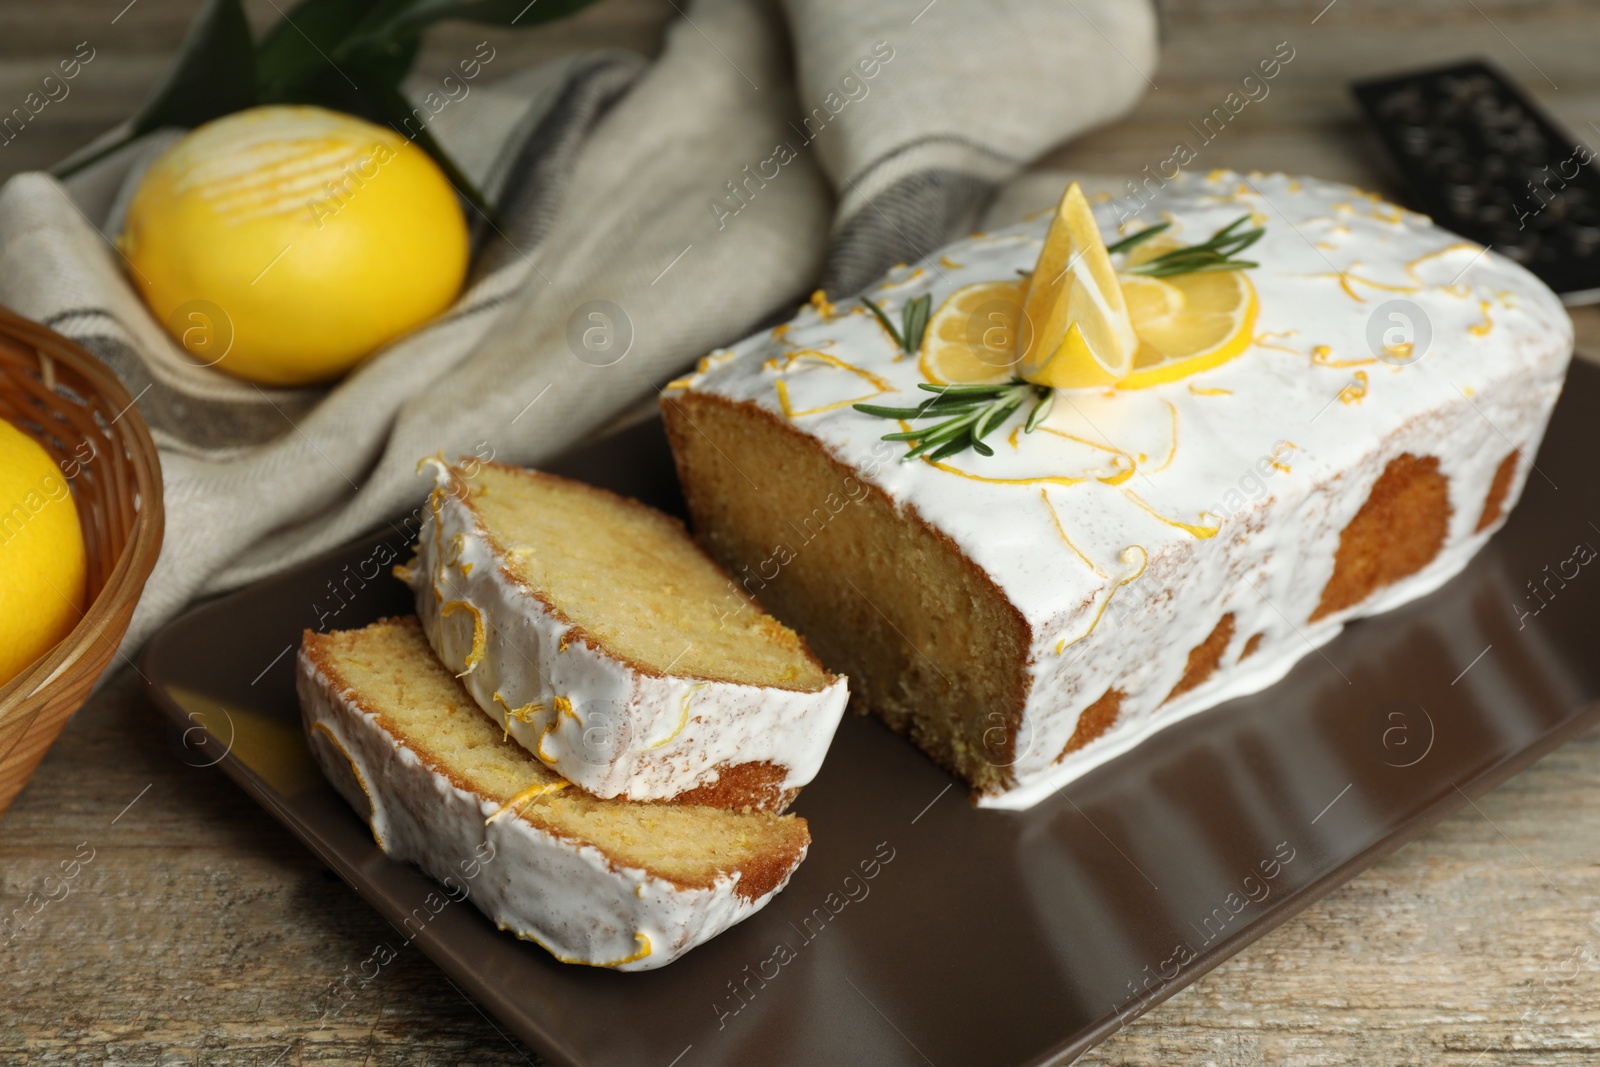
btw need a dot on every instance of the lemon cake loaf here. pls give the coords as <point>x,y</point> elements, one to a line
<point>1260,408</point>
<point>603,882</point>
<point>601,638</point>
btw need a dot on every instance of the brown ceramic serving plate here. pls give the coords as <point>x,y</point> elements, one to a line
<point>922,930</point>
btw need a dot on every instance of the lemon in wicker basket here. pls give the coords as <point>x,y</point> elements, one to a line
<point>284,244</point>
<point>42,563</point>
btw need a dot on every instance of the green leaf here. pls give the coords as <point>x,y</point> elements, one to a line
<point>1134,240</point>
<point>397,112</point>
<point>214,75</point>
<point>966,389</point>
<point>887,325</point>
<point>1040,410</point>
<point>914,321</point>
<point>1214,254</point>
<point>883,412</point>
<point>393,19</point>
<point>951,448</point>
<point>294,61</point>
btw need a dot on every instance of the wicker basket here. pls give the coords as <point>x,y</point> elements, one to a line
<point>67,400</point>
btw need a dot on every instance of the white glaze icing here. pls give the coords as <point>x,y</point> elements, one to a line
<point>566,896</point>
<point>615,730</point>
<point>1157,490</point>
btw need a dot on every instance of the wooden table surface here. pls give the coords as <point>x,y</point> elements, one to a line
<point>198,931</point>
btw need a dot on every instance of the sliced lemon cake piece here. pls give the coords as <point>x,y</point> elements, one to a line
<point>1116,480</point>
<point>608,883</point>
<point>607,643</point>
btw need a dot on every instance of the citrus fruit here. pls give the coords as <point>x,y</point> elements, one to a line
<point>1186,323</point>
<point>974,336</point>
<point>42,562</point>
<point>1081,334</point>
<point>283,244</point>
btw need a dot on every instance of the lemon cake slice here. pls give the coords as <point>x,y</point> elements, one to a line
<point>1257,408</point>
<point>608,644</point>
<point>608,883</point>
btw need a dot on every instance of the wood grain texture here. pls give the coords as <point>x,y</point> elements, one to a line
<point>201,932</point>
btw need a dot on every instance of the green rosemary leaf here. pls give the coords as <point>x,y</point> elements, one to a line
<point>1133,240</point>
<point>1187,267</point>
<point>994,416</point>
<point>1040,411</point>
<point>925,446</point>
<point>952,448</point>
<point>887,325</point>
<point>891,413</point>
<point>914,321</point>
<point>967,388</point>
<point>939,440</point>
<point>943,410</point>
<point>958,424</point>
<point>1214,254</point>
<point>959,429</point>
<point>967,412</point>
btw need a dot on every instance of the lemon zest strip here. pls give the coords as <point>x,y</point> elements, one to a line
<point>361,779</point>
<point>1202,532</point>
<point>1348,275</point>
<point>438,542</point>
<point>880,384</point>
<point>1458,246</point>
<point>1046,480</point>
<point>641,939</point>
<point>478,637</point>
<point>522,799</point>
<point>1481,329</point>
<point>1261,342</point>
<point>1044,494</point>
<point>1173,409</point>
<point>1144,560</point>
<point>522,714</point>
<point>1322,356</point>
<point>1356,390</point>
<point>683,714</point>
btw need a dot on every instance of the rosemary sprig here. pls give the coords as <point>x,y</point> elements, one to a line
<point>1128,243</point>
<point>968,414</point>
<point>913,321</point>
<point>1213,254</point>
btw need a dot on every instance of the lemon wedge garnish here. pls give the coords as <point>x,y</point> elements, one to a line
<point>1077,322</point>
<point>1081,332</point>
<point>974,336</point>
<point>1186,323</point>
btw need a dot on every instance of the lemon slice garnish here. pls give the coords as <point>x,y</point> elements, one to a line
<point>1151,298</point>
<point>1077,322</point>
<point>1081,333</point>
<point>973,337</point>
<point>1186,323</point>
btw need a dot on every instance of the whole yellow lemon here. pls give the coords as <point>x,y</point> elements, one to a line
<point>41,553</point>
<point>284,244</point>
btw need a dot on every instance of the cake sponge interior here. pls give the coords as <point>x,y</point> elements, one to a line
<point>388,670</point>
<point>634,582</point>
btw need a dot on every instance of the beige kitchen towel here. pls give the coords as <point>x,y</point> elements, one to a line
<point>655,210</point>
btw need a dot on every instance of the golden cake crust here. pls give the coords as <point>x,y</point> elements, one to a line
<point>990,746</point>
